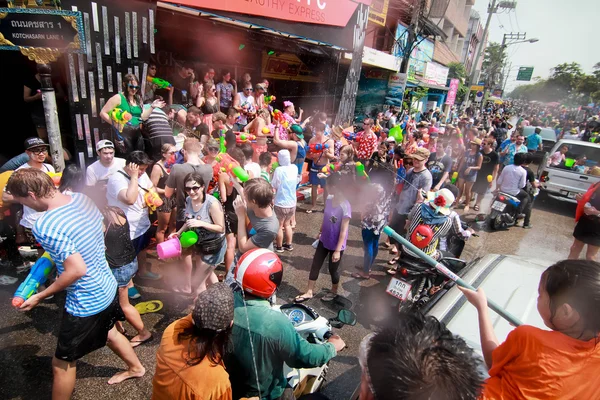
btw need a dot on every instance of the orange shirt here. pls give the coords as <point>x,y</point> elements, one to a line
<point>539,364</point>
<point>175,380</point>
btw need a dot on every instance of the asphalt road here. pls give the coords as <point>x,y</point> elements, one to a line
<point>28,340</point>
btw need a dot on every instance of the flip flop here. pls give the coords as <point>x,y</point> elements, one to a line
<point>476,208</point>
<point>391,272</point>
<point>329,297</point>
<point>301,299</point>
<point>136,343</point>
<point>359,276</point>
<point>393,261</point>
<point>309,211</point>
<point>149,306</point>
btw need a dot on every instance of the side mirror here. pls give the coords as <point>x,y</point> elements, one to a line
<point>347,317</point>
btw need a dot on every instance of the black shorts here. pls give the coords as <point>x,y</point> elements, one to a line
<point>140,243</point>
<point>79,336</point>
<point>231,223</point>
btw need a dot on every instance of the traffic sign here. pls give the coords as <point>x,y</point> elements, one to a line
<point>479,96</point>
<point>525,73</point>
<point>476,88</point>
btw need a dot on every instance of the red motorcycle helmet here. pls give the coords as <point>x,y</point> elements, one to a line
<point>259,272</point>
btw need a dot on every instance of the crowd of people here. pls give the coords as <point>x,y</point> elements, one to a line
<point>225,165</point>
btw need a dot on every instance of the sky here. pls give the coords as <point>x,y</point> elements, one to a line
<point>566,29</point>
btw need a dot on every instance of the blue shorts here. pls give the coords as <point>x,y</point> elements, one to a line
<point>125,273</point>
<point>313,179</point>
<point>215,259</point>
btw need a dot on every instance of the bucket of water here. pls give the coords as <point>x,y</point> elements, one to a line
<point>169,249</point>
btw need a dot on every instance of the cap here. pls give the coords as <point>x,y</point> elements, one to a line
<point>32,142</point>
<point>297,129</point>
<point>420,154</point>
<point>103,144</point>
<point>214,308</point>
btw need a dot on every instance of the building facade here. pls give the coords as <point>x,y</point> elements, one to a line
<point>472,43</point>
<point>452,16</point>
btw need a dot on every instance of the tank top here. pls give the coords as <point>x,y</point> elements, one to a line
<point>135,111</point>
<point>163,177</point>
<point>245,102</point>
<point>203,214</point>
<point>208,108</point>
<point>301,154</point>
<point>228,204</point>
<point>119,248</point>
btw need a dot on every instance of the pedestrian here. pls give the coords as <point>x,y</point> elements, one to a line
<point>285,179</point>
<point>467,171</point>
<point>251,167</point>
<point>514,148</point>
<point>70,230</point>
<point>332,239</point>
<point>209,104</point>
<point>366,142</point>
<point>440,166</point>
<point>204,216</point>
<point>225,90</point>
<point>106,165</point>
<point>264,161</point>
<point>189,360</point>
<point>531,187</point>
<point>488,172</point>
<point>158,129</point>
<point>587,230</point>
<point>320,153</point>
<point>159,175</point>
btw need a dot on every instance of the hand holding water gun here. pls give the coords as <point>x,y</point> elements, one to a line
<point>360,171</point>
<point>270,99</point>
<point>278,116</point>
<point>160,83</point>
<point>349,135</point>
<point>244,137</point>
<point>119,118</point>
<point>232,167</point>
<point>37,276</point>
<point>331,168</point>
<point>454,177</point>
<point>318,147</point>
<point>153,200</point>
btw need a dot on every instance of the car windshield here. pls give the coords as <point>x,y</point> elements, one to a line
<point>580,159</point>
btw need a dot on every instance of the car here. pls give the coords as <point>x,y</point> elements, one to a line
<point>561,181</point>
<point>548,140</point>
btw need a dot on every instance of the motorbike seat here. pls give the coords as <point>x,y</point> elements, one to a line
<point>416,265</point>
<point>510,196</point>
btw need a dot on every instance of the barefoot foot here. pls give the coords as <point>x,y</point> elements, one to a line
<point>129,374</point>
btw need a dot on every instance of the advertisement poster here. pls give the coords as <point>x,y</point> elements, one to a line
<point>396,88</point>
<point>451,98</point>
<point>371,95</point>
<point>421,55</point>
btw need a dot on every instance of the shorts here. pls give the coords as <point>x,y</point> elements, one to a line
<point>79,336</point>
<point>168,204</point>
<point>215,259</point>
<point>141,242</point>
<point>125,273</point>
<point>178,107</point>
<point>284,213</point>
<point>313,179</point>
<point>231,222</point>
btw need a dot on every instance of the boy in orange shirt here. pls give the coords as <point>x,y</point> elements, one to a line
<point>559,364</point>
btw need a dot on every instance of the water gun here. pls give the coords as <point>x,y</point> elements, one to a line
<point>222,147</point>
<point>331,168</point>
<point>454,177</point>
<point>266,130</point>
<point>152,200</point>
<point>160,83</point>
<point>270,99</point>
<point>318,147</point>
<point>229,165</point>
<point>37,276</point>
<point>490,178</point>
<point>244,137</point>
<point>278,116</point>
<point>360,171</point>
<point>120,118</point>
<point>274,166</point>
<point>56,177</point>
<point>349,135</point>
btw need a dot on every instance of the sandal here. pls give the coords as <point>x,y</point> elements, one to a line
<point>476,208</point>
<point>149,306</point>
<point>309,211</point>
<point>136,343</point>
<point>329,297</point>
<point>393,251</point>
<point>360,276</point>
<point>301,298</point>
<point>391,271</point>
<point>393,261</point>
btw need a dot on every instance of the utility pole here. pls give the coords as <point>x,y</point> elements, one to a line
<point>411,39</point>
<point>506,78</point>
<point>51,115</point>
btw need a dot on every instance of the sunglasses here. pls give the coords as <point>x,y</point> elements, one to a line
<point>39,151</point>
<point>213,150</point>
<point>190,189</point>
<point>133,87</point>
<point>248,90</point>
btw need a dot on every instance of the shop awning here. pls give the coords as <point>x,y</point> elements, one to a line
<point>335,37</point>
<point>379,59</point>
<point>424,84</point>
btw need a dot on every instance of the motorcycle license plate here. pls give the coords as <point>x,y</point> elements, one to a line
<point>398,288</point>
<point>498,205</point>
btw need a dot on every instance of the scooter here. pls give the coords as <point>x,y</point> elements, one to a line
<point>315,329</point>
<point>505,209</point>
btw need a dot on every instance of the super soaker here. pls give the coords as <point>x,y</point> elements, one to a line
<point>454,177</point>
<point>229,165</point>
<point>153,200</point>
<point>318,147</point>
<point>244,137</point>
<point>119,118</point>
<point>37,276</point>
<point>160,83</point>
<point>360,171</point>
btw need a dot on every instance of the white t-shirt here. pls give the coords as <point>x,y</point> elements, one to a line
<point>98,172</point>
<point>253,168</point>
<point>137,214</point>
<point>285,179</point>
<point>29,214</point>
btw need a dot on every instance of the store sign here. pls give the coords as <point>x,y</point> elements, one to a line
<point>435,74</point>
<point>396,88</point>
<point>287,66</point>
<point>476,88</point>
<point>452,92</point>
<point>378,11</point>
<point>323,12</point>
<point>420,56</point>
<point>376,58</point>
<point>51,30</point>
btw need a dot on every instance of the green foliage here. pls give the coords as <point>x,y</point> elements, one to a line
<point>493,63</point>
<point>457,71</point>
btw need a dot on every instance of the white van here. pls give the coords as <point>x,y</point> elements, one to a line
<point>562,181</point>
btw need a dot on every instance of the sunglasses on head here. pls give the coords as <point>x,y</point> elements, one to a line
<point>190,189</point>
<point>133,87</point>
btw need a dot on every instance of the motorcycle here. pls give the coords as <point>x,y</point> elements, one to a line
<point>505,209</point>
<point>315,329</point>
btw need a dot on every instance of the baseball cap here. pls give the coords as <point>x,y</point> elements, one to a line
<point>103,144</point>
<point>32,142</point>
<point>297,129</point>
<point>420,154</point>
<point>214,308</point>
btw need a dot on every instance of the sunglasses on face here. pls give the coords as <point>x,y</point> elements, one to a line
<point>133,87</point>
<point>248,90</point>
<point>213,150</point>
<point>190,189</point>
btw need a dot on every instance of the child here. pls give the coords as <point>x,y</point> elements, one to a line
<point>284,182</point>
<point>538,364</point>
<point>252,168</point>
<point>264,160</point>
<point>332,239</point>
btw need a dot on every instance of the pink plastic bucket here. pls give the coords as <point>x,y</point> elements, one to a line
<point>169,249</point>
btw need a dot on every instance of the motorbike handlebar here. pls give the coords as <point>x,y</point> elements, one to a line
<point>327,335</point>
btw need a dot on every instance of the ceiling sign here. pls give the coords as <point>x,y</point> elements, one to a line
<point>323,12</point>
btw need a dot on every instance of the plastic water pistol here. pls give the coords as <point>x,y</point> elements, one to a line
<point>222,147</point>
<point>270,99</point>
<point>120,117</point>
<point>37,276</point>
<point>56,177</point>
<point>160,83</point>
<point>360,171</point>
<point>318,147</point>
<point>274,166</point>
<point>231,166</point>
<point>454,177</point>
<point>244,137</point>
<point>331,168</point>
<point>153,200</point>
<point>349,135</point>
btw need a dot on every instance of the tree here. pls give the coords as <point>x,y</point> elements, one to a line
<point>493,63</point>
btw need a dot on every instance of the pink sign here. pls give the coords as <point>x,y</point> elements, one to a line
<point>452,92</point>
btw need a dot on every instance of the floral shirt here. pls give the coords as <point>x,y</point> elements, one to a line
<point>375,214</point>
<point>367,144</point>
<point>226,92</point>
<point>512,150</point>
<point>283,132</point>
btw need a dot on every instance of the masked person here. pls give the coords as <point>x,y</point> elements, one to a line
<point>263,338</point>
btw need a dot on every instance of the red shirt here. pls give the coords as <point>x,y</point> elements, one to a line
<point>367,144</point>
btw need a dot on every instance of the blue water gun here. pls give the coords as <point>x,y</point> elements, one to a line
<point>37,276</point>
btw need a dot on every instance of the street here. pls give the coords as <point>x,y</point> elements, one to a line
<point>28,340</point>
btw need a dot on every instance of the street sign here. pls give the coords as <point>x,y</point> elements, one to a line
<point>479,97</point>
<point>476,88</point>
<point>525,73</point>
<point>40,33</point>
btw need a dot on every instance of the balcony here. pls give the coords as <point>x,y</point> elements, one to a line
<point>455,12</point>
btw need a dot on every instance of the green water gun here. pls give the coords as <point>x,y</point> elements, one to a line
<point>222,147</point>
<point>160,83</point>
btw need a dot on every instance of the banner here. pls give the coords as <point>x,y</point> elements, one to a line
<point>396,87</point>
<point>420,55</point>
<point>451,97</point>
<point>286,66</point>
<point>435,74</point>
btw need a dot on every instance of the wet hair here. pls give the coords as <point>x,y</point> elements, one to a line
<point>519,159</point>
<point>577,282</point>
<point>138,157</point>
<point>264,160</point>
<point>259,191</point>
<point>247,150</point>
<point>27,180</point>
<point>418,358</point>
<point>73,178</point>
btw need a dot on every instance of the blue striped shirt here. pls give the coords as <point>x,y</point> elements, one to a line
<point>77,228</point>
